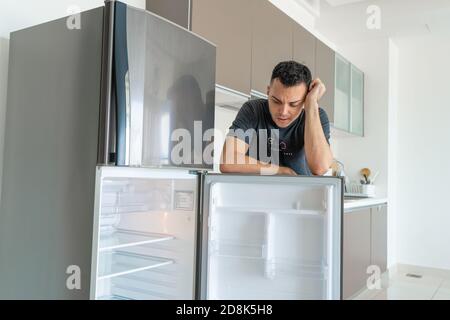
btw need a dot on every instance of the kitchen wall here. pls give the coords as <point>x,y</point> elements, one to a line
<point>423,150</point>
<point>4,50</point>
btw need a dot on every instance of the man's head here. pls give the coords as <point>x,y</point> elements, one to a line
<point>287,91</point>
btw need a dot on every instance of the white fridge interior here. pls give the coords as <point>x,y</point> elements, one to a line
<point>144,237</point>
<point>274,239</point>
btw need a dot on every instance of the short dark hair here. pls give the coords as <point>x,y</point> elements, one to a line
<point>292,73</point>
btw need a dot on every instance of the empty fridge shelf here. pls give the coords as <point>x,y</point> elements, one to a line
<point>119,209</point>
<point>126,238</point>
<point>117,263</point>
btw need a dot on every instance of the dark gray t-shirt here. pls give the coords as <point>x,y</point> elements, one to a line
<point>255,114</point>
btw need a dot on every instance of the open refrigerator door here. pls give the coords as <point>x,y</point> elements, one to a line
<point>144,234</point>
<point>271,237</point>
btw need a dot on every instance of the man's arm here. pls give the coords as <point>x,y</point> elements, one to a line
<point>235,160</point>
<point>317,149</point>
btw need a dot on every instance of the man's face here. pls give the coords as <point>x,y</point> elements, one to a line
<point>285,103</point>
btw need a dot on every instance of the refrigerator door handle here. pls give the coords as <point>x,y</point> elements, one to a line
<point>122,85</point>
<point>106,93</point>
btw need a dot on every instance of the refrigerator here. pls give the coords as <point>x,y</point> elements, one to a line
<point>93,205</point>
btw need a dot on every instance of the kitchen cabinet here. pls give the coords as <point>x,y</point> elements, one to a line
<point>344,99</point>
<point>357,101</point>
<point>356,250</point>
<point>230,29</point>
<point>342,93</point>
<point>271,42</point>
<point>177,11</point>
<point>365,244</point>
<point>379,237</point>
<point>304,50</point>
<point>325,70</point>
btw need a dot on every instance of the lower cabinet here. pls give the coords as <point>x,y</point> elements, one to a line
<point>356,250</point>
<point>379,237</point>
<point>365,244</point>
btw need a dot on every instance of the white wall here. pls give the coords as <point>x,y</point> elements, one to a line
<point>4,50</point>
<point>423,151</point>
<point>371,150</point>
<point>19,14</point>
<point>393,154</point>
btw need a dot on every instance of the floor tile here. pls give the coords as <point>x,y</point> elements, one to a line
<point>407,291</point>
<point>442,294</point>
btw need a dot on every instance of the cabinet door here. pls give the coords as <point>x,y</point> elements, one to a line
<point>342,94</point>
<point>325,70</point>
<point>357,102</point>
<point>356,251</point>
<point>379,237</point>
<point>176,11</point>
<point>228,24</point>
<point>271,44</point>
<point>304,47</point>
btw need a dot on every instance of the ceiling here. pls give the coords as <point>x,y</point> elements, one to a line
<point>344,21</point>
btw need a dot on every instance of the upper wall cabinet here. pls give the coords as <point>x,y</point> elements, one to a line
<point>357,101</point>
<point>344,98</point>
<point>325,70</point>
<point>271,43</point>
<point>304,50</point>
<point>177,11</point>
<point>228,24</point>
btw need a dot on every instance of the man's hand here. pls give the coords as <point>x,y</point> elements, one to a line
<point>316,91</point>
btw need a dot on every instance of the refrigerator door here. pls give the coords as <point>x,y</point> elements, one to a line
<point>163,92</point>
<point>51,130</point>
<point>267,237</point>
<point>144,240</point>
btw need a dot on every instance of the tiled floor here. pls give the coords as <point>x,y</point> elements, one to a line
<point>433,285</point>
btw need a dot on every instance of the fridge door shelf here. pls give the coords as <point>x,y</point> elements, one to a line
<point>275,268</point>
<point>118,263</point>
<point>235,249</point>
<point>262,211</point>
<point>121,238</point>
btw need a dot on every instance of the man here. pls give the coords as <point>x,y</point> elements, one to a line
<point>290,117</point>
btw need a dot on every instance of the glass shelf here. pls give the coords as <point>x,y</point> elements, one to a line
<point>117,263</point>
<point>125,238</point>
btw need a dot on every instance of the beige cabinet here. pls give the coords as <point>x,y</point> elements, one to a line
<point>356,250</point>
<point>228,24</point>
<point>379,237</point>
<point>325,70</point>
<point>177,11</point>
<point>271,42</point>
<point>344,98</point>
<point>304,50</point>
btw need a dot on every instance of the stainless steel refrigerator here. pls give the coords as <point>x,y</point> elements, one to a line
<point>93,205</point>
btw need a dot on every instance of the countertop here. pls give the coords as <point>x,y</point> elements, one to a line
<point>363,202</point>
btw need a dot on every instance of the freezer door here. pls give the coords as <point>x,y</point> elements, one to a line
<point>144,234</point>
<point>267,237</point>
<point>163,92</point>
